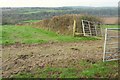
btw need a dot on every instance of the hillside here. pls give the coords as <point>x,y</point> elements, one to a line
<point>18,15</point>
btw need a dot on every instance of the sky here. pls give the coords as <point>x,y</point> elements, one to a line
<point>58,3</point>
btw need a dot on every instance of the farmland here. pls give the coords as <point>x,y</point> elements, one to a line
<point>30,52</point>
<point>17,15</point>
<point>38,42</point>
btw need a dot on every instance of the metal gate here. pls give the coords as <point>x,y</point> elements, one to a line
<point>111,44</point>
<point>88,28</point>
<point>91,28</point>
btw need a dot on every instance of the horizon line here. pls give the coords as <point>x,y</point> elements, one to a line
<point>53,6</point>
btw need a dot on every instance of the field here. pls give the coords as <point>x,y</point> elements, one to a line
<point>110,26</point>
<point>23,34</point>
<point>30,21</point>
<point>42,11</point>
<point>36,53</point>
<point>110,20</point>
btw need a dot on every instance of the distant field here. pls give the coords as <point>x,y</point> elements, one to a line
<point>110,20</point>
<point>41,11</point>
<point>110,26</point>
<point>29,21</point>
<point>23,34</point>
<point>16,15</point>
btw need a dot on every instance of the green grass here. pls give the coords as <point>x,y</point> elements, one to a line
<point>88,70</point>
<point>49,73</point>
<point>100,69</point>
<point>110,26</point>
<point>23,34</point>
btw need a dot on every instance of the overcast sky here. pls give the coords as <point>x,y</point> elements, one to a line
<point>58,3</point>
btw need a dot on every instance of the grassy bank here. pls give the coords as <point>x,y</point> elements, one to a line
<point>23,34</point>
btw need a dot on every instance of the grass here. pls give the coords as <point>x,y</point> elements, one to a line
<point>49,73</point>
<point>110,26</point>
<point>25,34</point>
<point>88,70</point>
<point>100,69</point>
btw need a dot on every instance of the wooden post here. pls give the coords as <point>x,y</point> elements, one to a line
<point>74,27</point>
<point>105,44</point>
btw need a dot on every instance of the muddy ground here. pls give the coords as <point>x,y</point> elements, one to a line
<point>23,57</point>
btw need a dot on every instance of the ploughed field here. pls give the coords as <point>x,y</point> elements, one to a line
<point>34,53</point>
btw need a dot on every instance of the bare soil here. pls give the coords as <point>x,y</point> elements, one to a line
<point>110,20</point>
<point>24,57</point>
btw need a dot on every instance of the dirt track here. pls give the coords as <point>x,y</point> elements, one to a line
<point>21,57</point>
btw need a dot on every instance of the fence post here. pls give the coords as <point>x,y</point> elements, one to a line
<point>105,44</point>
<point>74,27</point>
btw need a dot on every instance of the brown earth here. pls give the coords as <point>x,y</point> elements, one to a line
<point>110,20</point>
<point>22,57</point>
